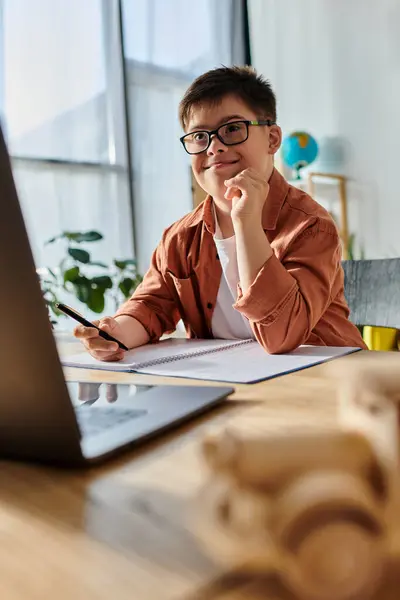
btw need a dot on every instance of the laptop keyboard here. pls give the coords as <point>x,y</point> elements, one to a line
<point>95,420</point>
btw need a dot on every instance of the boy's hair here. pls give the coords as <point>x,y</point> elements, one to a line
<point>243,82</point>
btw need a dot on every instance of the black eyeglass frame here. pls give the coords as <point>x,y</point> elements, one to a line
<point>267,122</point>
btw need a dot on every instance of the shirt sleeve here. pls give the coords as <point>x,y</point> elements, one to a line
<point>152,303</point>
<point>288,297</point>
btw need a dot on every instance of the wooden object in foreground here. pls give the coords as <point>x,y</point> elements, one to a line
<point>321,509</point>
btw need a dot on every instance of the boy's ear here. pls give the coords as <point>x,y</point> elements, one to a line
<point>275,139</point>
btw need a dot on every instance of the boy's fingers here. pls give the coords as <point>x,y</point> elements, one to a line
<point>108,324</point>
<point>102,345</point>
<point>106,356</point>
<point>83,332</point>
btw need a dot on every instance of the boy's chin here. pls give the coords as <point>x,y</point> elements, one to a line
<point>219,193</point>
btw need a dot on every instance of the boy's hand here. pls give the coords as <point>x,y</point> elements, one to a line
<point>98,347</point>
<point>248,191</point>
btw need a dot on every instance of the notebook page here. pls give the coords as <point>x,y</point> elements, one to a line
<point>137,358</point>
<point>247,364</point>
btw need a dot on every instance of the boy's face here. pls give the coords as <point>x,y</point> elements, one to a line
<point>220,162</point>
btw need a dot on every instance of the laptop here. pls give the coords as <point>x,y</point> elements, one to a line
<point>42,417</point>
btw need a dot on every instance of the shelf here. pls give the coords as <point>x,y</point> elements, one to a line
<point>320,183</point>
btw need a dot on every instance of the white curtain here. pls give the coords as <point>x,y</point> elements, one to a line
<point>168,44</point>
<point>62,198</point>
<point>61,106</point>
<point>55,106</point>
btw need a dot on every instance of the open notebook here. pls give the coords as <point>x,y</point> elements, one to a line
<point>233,361</point>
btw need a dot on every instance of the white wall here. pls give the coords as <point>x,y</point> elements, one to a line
<point>335,67</point>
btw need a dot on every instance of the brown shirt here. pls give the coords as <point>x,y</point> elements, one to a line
<point>296,298</point>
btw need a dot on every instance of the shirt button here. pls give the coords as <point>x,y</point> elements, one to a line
<point>209,305</point>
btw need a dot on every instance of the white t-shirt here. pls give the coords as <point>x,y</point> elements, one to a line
<point>228,323</point>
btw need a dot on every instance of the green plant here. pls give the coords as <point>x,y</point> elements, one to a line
<point>77,274</point>
<point>350,246</point>
<point>351,254</point>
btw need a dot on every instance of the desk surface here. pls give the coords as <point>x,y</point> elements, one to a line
<point>121,530</point>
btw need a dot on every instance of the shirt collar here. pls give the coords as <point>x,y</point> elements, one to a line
<point>208,215</point>
<point>279,188</point>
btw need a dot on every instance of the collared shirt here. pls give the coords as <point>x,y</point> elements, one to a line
<point>296,298</point>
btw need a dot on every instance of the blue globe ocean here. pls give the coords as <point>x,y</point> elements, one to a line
<point>299,149</point>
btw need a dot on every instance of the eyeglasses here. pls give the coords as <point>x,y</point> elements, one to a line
<point>230,134</point>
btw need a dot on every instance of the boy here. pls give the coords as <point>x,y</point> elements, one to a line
<point>258,258</point>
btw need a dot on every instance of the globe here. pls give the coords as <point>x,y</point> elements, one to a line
<point>299,149</point>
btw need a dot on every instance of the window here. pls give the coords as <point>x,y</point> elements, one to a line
<point>168,44</point>
<point>72,105</point>
<point>54,79</point>
<point>62,119</point>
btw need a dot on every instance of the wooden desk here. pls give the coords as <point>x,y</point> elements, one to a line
<point>120,531</point>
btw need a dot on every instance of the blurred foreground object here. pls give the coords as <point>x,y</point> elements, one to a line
<point>321,509</point>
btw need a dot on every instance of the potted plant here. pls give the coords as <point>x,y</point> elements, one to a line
<point>78,274</point>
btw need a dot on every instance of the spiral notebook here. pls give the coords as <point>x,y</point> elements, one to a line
<point>232,361</point>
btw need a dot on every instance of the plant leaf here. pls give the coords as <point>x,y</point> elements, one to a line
<point>71,274</point>
<point>122,264</point>
<point>104,282</point>
<point>64,235</point>
<point>79,255</point>
<point>97,264</point>
<point>52,305</point>
<point>53,297</point>
<point>82,288</point>
<point>96,300</point>
<point>83,236</point>
<point>54,276</point>
<point>77,236</point>
<point>126,286</point>
<point>52,240</point>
